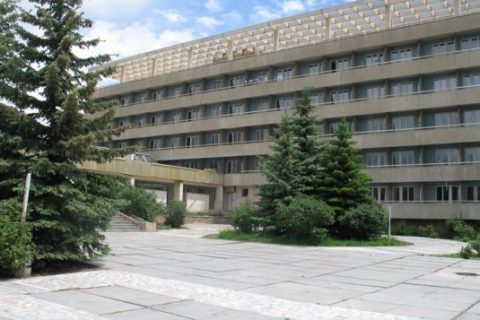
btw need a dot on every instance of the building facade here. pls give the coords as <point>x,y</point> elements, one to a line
<point>405,75</point>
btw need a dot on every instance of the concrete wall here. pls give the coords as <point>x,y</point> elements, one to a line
<point>197,202</point>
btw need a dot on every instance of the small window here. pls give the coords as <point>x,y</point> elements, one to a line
<point>244,193</point>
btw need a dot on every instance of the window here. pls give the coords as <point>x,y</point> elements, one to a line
<point>191,164</point>
<point>137,123</point>
<point>315,98</point>
<point>192,114</point>
<point>234,137</point>
<point>374,58</point>
<point>473,193</point>
<point>123,101</point>
<point>376,91</point>
<point>404,121</point>
<point>404,87</point>
<point>403,193</point>
<point>471,116</point>
<point>339,95</point>
<point>233,166</point>
<point>156,95</point>
<point>472,154</point>
<point>214,110</point>
<point>314,68</point>
<point>333,126</point>
<point>285,102</point>
<point>375,159</point>
<point>214,138</point>
<point>260,134</point>
<point>176,91</point>
<point>215,84</point>
<point>448,193</point>
<point>121,123</point>
<point>172,142</point>
<point>443,47</point>
<point>445,118</point>
<point>371,124</point>
<point>378,193</point>
<point>175,116</point>
<point>260,76</point>
<point>401,54</point>
<point>194,88</point>
<point>153,120</point>
<point>447,155</point>
<point>258,105</point>
<point>191,141</point>
<point>138,97</point>
<point>444,83</point>
<point>403,157</point>
<point>339,64</point>
<point>121,145</point>
<point>235,108</point>
<point>471,79</point>
<point>470,43</point>
<point>244,193</point>
<point>285,73</point>
<point>154,144</point>
<point>236,81</point>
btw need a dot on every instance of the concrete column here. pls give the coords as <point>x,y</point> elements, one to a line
<point>386,57</point>
<point>353,61</point>
<point>420,119</point>
<point>203,85</point>
<point>354,124</point>
<point>218,204</point>
<point>421,193</point>
<point>132,182</point>
<point>276,40</point>
<point>178,191</point>
<point>230,50</point>
<point>271,74</point>
<point>296,69</point>
<point>420,83</point>
<point>386,89</point>
<point>324,64</point>
<point>388,17</point>
<point>328,24</point>
<point>419,49</point>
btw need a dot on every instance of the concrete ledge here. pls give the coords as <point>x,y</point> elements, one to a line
<point>144,225</point>
<point>207,220</point>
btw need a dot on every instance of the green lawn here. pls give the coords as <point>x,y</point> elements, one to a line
<point>457,256</point>
<point>266,238</point>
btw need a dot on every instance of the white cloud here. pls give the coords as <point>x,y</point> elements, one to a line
<point>132,39</point>
<point>262,13</point>
<point>209,22</point>
<point>233,17</point>
<point>172,15</point>
<point>290,6</point>
<point>114,8</point>
<point>213,5</point>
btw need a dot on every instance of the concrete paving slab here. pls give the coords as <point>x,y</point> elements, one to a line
<point>144,314</point>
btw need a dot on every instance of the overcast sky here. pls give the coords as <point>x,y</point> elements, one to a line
<point>133,26</point>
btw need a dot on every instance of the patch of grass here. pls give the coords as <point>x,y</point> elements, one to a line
<point>455,256</point>
<point>268,238</point>
<point>161,226</point>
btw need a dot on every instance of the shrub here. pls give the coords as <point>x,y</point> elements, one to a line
<point>15,245</point>
<point>458,229</point>
<point>428,231</point>
<point>245,218</point>
<point>364,222</point>
<point>476,246</point>
<point>175,214</point>
<point>304,218</point>
<point>466,252</point>
<point>141,203</point>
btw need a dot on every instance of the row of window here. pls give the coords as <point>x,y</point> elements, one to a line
<point>445,192</point>
<point>308,68</point>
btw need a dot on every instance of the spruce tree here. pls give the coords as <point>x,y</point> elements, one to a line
<point>305,127</point>
<point>344,184</point>
<point>280,169</point>
<point>46,95</point>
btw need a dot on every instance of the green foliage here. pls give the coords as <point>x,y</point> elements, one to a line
<point>364,222</point>
<point>458,229</point>
<point>40,73</point>
<point>344,184</point>
<point>16,247</point>
<point>175,214</point>
<point>466,252</point>
<point>140,203</point>
<point>245,218</point>
<point>305,217</point>
<point>428,231</point>
<point>476,246</point>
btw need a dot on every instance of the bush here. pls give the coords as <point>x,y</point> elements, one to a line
<point>476,246</point>
<point>428,231</point>
<point>466,252</point>
<point>364,222</point>
<point>458,229</point>
<point>141,203</point>
<point>15,245</point>
<point>305,218</point>
<point>245,218</point>
<point>175,214</point>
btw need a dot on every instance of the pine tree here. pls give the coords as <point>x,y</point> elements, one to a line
<point>46,95</point>
<point>344,184</point>
<point>305,127</point>
<point>280,169</point>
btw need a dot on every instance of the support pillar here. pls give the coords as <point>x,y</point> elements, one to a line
<point>178,191</point>
<point>218,204</point>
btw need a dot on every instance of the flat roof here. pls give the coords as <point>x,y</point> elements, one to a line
<point>317,26</point>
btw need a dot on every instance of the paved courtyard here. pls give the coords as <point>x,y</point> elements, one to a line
<point>179,275</point>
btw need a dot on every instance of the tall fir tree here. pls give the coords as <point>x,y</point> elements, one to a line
<point>280,169</point>
<point>46,95</point>
<point>344,184</point>
<point>305,128</point>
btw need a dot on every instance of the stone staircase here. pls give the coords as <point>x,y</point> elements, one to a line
<point>120,224</point>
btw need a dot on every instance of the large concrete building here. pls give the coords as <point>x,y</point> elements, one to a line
<point>405,74</point>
